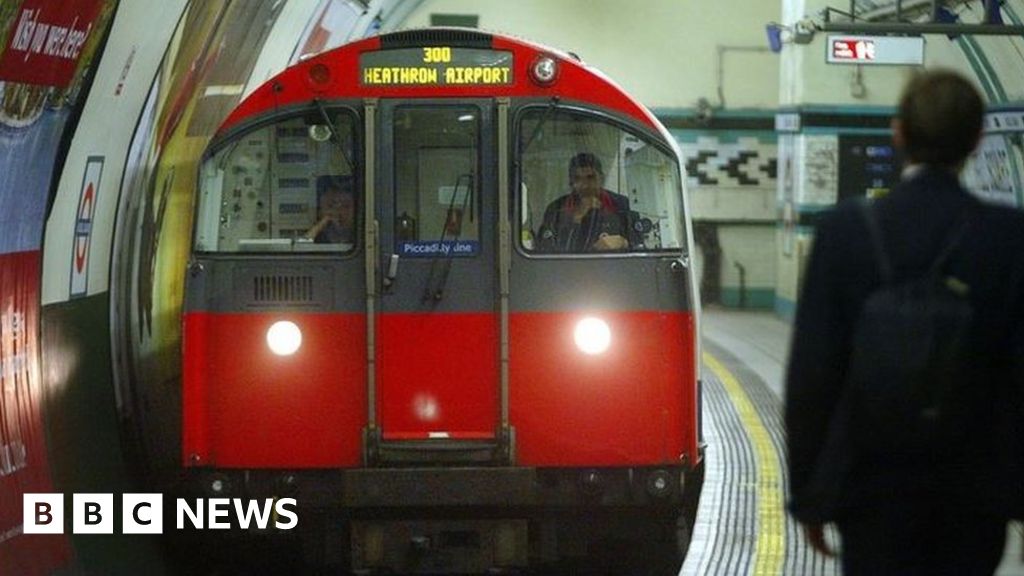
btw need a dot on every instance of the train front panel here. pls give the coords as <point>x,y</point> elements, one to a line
<point>398,310</point>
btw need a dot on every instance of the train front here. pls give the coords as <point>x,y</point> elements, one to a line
<point>441,295</point>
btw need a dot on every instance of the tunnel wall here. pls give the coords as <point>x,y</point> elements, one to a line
<point>47,56</point>
<point>89,327</point>
<point>85,413</point>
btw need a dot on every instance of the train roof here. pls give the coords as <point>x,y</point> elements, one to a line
<point>345,72</point>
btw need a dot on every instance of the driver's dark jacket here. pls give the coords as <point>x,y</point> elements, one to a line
<point>559,233</point>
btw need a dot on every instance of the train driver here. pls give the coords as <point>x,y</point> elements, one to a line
<point>588,219</point>
<point>336,211</point>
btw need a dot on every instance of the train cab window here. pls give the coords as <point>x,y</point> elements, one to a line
<point>590,186</point>
<point>436,151</point>
<point>289,186</point>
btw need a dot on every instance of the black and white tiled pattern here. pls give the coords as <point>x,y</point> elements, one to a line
<point>747,162</point>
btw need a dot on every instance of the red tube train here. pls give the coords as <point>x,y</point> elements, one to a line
<point>441,293</point>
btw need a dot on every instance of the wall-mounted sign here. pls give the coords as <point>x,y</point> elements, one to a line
<point>1008,121</point>
<point>83,226</point>
<point>787,122</point>
<point>874,49</point>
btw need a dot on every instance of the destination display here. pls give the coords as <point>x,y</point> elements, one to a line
<point>436,66</point>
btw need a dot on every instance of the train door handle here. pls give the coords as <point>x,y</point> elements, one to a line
<point>392,273</point>
<point>680,264</point>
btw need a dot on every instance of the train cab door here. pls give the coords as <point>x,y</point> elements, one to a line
<point>437,385</point>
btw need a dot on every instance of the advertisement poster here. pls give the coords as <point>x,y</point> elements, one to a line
<point>46,49</point>
<point>818,168</point>
<point>993,172</point>
<point>46,39</point>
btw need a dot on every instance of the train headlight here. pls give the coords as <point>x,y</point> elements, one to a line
<point>659,483</point>
<point>319,74</point>
<point>284,338</point>
<point>544,70</point>
<point>218,485</point>
<point>592,335</point>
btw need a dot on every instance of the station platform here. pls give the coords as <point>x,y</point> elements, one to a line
<point>742,526</point>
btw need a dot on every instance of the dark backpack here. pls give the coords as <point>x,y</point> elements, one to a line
<point>909,353</point>
<point>908,356</point>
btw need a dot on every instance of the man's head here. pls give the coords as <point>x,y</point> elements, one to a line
<point>585,174</point>
<point>338,202</point>
<point>940,119</point>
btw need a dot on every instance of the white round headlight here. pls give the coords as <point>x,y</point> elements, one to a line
<point>592,335</point>
<point>284,338</point>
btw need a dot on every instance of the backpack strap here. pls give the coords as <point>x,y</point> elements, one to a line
<point>951,244</point>
<point>877,243</point>
<point>882,258</point>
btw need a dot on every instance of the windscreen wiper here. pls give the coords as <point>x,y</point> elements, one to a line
<point>543,120</point>
<point>437,293</point>
<point>334,135</point>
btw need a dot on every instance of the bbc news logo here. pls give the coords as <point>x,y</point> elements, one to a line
<point>43,513</point>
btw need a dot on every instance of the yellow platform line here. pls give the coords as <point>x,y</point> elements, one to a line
<point>770,548</point>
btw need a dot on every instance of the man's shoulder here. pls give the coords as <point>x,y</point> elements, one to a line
<point>621,202</point>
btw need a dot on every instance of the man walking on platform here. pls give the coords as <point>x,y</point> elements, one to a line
<point>914,454</point>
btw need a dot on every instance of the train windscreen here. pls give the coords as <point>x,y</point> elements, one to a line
<point>287,186</point>
<point>588,185</point>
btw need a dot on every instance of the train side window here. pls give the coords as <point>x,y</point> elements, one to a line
<point>589,186</point>
<point>436,150</point>
<point>289,186</point>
